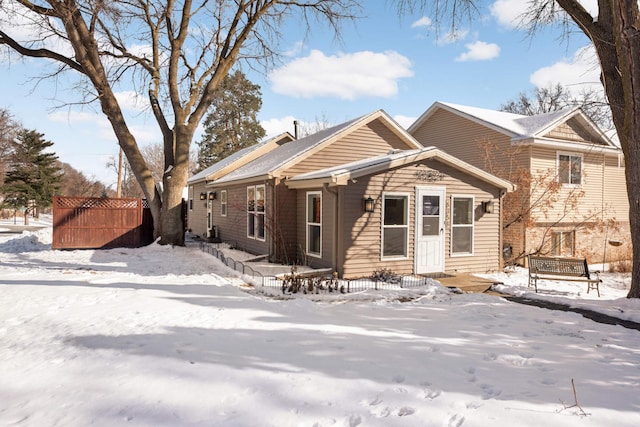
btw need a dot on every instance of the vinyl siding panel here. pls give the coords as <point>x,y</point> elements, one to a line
<point>361,238</point>
<point>367,141</point>
<point>573,131</point>
<point>328,228</point>
<point>232,229</point>
<point>616,201</point>
<point>463,139</point>
<point>589,195</point>
<point>197,215</point>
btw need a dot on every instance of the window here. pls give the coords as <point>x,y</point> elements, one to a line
<point>314,223</point>
<point>563,243</point>
<point>190,204</point>
<point>461,225</point>
<point>223,203</point>
<point>569,169</point>
<point>255,212</point>
<point>395,226</point>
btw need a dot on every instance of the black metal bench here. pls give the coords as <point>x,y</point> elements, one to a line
<point>568,269</point>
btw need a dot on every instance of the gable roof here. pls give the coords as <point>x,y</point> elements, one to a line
<point>342,174</point>
<point>275,162</point>
<point>239,158</point>
<point>518,127</point>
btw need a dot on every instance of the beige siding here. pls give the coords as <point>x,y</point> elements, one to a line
<point>284,225</point>
<point>466,140</point>
<point>362,231</point>
<point>573,131</point>
<point>615,199</point>
<point>371,140</point>
<point>197,210</point>
<point>328,228</point>
<point>233,228</point>
<point>588,197</point>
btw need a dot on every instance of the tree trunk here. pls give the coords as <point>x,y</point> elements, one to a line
<point>618,45</point>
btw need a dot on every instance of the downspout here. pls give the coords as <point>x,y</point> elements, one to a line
<point>337,227</point>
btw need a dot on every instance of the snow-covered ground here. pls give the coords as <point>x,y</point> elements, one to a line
<point>162,336</point>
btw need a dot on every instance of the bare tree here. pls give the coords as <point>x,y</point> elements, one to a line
<point>556,97</point>
<point>615,34</point>
<point>179,51</point>
<point>75,183</point>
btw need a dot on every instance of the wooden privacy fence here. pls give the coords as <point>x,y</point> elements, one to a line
<point>94,223</point>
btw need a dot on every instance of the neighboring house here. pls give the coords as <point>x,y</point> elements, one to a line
<point>571,198</point>
<point>359,197</point>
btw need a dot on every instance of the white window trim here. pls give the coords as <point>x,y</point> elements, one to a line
<point>570,154</point>
<point>224,202</point>
<point>307,224</point>
<point>383,226</point>
<point>452,226</point>
<point>256,213</point>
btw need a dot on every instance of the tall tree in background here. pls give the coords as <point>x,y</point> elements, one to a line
<point>556,97</point>
<point>33,176</point>
<point>177,52</point>
<point>75,184</point>
<point>615,34</point>
<point>233,122</point>
<point>8,131</point>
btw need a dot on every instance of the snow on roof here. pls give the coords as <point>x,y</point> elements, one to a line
<point>517,124</point>
<point>285,153</point>
<point>203,174</point>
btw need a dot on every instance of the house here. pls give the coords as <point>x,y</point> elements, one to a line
<point>200,212</point>
<point>571,198</point>
<point>357,197</point>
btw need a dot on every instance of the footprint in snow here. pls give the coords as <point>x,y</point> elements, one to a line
<point>355,420</point>
<point>430,394</point>
<point>455,421</point>
<point>405,410</point>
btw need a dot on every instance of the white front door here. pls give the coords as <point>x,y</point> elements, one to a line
<point>429,251</point>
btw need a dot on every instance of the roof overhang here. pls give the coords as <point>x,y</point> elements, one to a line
<point>568,146</point>
<point>344,175</point>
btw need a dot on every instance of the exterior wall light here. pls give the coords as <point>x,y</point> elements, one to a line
<point>203,196</point>
<point>487,206</point>
<point>212,195</point>
<point>369,204</point>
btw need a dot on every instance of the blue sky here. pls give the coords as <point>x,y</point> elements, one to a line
<point>399,64</point>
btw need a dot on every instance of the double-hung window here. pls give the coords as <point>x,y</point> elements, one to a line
<point>255,212</point>
<point>223,203</point>
<point>569,169</point>
<point>314,223</point>
<point>563,243</point>
<point>462,225</point>
<point>395,226</point>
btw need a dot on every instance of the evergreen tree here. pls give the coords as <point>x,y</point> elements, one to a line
<point>33,176</point>
<point>232,124</point>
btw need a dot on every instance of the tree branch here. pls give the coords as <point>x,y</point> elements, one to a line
<point>39,53</point>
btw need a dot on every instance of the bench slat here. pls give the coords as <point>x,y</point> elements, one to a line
<point>569,269</point>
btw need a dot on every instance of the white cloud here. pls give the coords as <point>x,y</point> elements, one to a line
<point>479,51</point>
<point>452,36</point>
<point>508,12</point>
<point>581,72</point>
<point>295,49</point>
<point>131,101</point>
<point>404,121</point>
<point>275,127</point>
<point>343,76</point>
<point>425,21</point>
<point>27,27</point>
